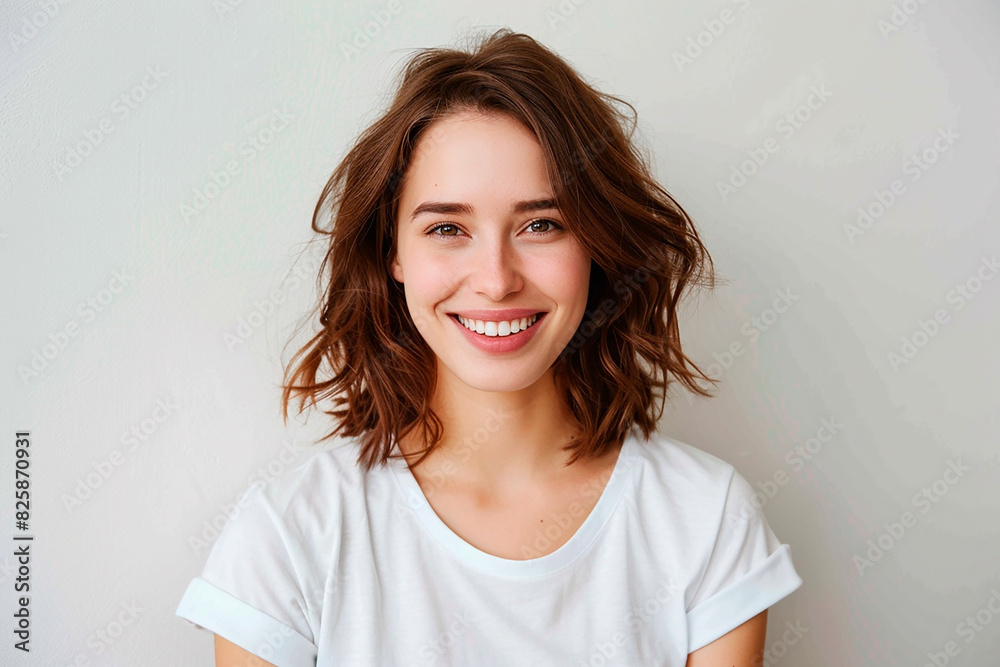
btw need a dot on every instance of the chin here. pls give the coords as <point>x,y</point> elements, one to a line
<point>506,383</point>
<point>501,379</point>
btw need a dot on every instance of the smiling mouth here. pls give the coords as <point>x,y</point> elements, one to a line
<point>499,329</point>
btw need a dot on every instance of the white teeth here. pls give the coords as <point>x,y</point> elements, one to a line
<point>498,328</point>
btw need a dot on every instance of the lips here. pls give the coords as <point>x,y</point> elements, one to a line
<point>500,344</point>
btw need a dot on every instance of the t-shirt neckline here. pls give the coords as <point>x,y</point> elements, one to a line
<point>578,544</point>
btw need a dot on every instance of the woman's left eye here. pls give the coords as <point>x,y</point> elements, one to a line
<point>543,221</point>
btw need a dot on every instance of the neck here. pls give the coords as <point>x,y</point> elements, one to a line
<point>498,442</point>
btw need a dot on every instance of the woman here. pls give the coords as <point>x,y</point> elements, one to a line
<point>499,261</point>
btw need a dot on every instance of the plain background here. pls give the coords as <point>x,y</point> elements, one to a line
<point>143,343</point>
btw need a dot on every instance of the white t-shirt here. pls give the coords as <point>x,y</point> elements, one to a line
<point>327,565</point>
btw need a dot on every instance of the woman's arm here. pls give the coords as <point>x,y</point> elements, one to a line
<point>228,654</point>
<point>743,646</point>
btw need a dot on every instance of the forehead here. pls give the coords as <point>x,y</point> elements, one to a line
<point>472,151</point>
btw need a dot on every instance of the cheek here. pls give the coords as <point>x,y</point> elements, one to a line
<point>567,277</point>
<point>427,284</point>
<point>423,269</point>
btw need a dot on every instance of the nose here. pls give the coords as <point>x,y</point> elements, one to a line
<point>495,270</point>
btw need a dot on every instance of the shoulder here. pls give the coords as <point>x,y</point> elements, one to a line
<point>694,490</point>
<point>322,472</point>
<point>683,468</point>
<point>311,499</point>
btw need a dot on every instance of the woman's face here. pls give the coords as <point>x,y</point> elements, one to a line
<point>464,245</point>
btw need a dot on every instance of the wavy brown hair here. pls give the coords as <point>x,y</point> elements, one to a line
<point>644,250</point>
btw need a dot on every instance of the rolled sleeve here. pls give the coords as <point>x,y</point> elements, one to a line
<point>748,571</point>
<point>209,608</point>
<point>252,590</point>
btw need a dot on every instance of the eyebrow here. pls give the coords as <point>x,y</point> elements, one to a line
<point>461,208</point>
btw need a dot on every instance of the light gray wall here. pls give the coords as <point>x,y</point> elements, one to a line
<point>184,87</point>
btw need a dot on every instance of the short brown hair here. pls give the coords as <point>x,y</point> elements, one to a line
<point>643,247</point>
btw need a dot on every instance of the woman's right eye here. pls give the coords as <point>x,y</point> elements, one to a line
<point>433,229</point>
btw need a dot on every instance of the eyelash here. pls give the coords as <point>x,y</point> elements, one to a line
<point>553,223</point>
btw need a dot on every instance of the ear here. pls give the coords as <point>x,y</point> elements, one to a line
<point>395,269</point>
